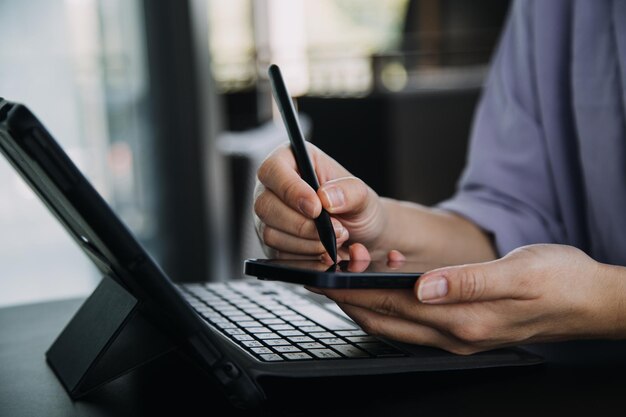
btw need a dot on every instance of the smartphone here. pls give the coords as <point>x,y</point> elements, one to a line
<point>345,274</point>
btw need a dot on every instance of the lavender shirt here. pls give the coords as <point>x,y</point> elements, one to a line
<point>547,160</point>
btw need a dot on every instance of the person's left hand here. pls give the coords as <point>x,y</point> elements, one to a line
<point>535,293</point>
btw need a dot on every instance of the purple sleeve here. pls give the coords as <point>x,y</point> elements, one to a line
<point>506,188</point>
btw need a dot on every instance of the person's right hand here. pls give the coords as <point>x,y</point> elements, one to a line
<point>285,206</point>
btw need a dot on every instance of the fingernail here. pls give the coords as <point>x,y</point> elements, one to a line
<point>335,197</point>
<point>306,207</point>
<point>432,289</point>
<point>339,230</point>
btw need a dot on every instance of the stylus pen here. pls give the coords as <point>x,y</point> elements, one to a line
<point>285,105</point>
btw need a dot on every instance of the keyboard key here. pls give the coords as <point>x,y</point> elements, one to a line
<point>287,348</point>
<point>297,356</point>
<point>276,342</point>
<point>290,333</point>
<point>272,321</point>
<point>311,329</point>
<point>252,343</point>
<point>272,357</point>
<point>323,317</point>
<point>292,317</point>
<point>226,325</point>
<point>219,319</point>
<point>311,345</point>
<point>324,353</point>
<point>212,316</point>
<point>246,305</point>
<point>350,351</point>
<point>258,329</point>
<point>253,311</point>
<point>239,318</point>
<point>242,337</point>
<point>260,350</point>
<point>300,339</point>
<point>302,323</point>
<point>249,324</point>
<point>234,331</point>
<point>333,341</point>
<point>267,336</point>
<point>322,335</point>
<point>281,327</point>
<point>229,310</point>
<point>381,349</point>
<point>219,306</point>
<point>361,339</point>
<point>351,333</point>
<point>264,316</point>
<point>281,312</point>
<point>271,306</point>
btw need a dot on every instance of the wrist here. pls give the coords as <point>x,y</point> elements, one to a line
<point>426,233</point>
<point>404,229</point>
<point>609,307</point>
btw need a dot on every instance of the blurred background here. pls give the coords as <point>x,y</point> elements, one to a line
<point>165,106</point>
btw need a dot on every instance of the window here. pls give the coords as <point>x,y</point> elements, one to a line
<point>323,45</point>
<point>78,65</point>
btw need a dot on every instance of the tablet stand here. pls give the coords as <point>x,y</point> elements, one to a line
<point>106,338</point>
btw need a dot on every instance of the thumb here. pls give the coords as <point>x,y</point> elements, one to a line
<point>466,283</point>
<point>346,195</point>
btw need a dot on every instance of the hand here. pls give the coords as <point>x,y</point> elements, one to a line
<point>536,293</point>
<point>285,206</point>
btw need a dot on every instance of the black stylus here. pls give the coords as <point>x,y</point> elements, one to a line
<point>285,105</point>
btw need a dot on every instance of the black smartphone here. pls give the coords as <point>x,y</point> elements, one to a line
<point>345,274</point>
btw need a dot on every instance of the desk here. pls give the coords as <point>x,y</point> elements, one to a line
<point>579,379</point>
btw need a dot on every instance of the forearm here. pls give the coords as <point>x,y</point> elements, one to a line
<point>433,235</point>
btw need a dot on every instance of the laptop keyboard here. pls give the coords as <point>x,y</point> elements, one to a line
<point>274,323</point>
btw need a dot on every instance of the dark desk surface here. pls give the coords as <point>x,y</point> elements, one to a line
<point>582,378</point>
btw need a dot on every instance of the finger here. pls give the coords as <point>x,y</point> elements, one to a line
<point>359,252</point>
<point>395,328</point>
<point>359,258</point>
<point>395,260</point>
<point>285,242</point>
<point>279,174</point>
<point>486,281</point>
<point>399,303</point>
<point>395,302</point>
<point>395,256</point>
<point>478,325</point>
<point>344,195</point>
<point>272,211</point>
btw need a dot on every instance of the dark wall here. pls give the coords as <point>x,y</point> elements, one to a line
<point>409,146</point>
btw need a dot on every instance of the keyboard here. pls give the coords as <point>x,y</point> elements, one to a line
<point>274,323</point>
